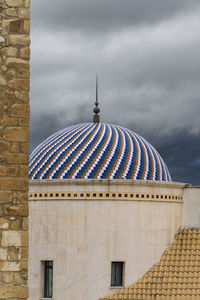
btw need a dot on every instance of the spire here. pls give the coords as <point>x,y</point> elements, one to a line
<point>96,110</point>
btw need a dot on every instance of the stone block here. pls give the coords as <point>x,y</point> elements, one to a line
<point>6,95</point>
<point>21,197</point>
<point>24,13</point>
<point>8,277</point>
<point>11,12</point>
<point>24,238</point>
<point>24,73</point>
<point>21,84</point>
<point>24,266</point>
<point>15,224</point>
<point>17,277</point>
<point>24,277</point>
<point>15,26</point>
<point>10,74</point>
<point>12,171</point>
<point>20,110</point>
<point>2,81</point>
<point>24,96</point>
<point>2,158</point>
<point>15,147</point>
<point>25,224</point>
<point>25,148</point>
<point>4,147</point>
<point>3,68</point>
<point>2,170</point>
<point>23,253</point>
<point>2,40</point>
<point>26,26</point>
<point>4,224</point>
<point>10,291</point>
<point>27,3</point>
<point>9,121</point>
<point>14,184</point>
<point>14,238</point>
<point>24,171</point>
<point>12,51</point>
<point>14,3</point>
<point>24,122</point>
<point>1,210</point>
<point>17,134</point>
<point>17,93</point>
<point>11,238</point>
<point>9,267</point>
<point>1,107</point>
<point>25,52</point>
<point>5,196</point>
<point>13,254</point>
<point>3,254</point>
<point>16,210</point>
<point>20,40</point>
<point>17,158</point>
<point>17,63</point>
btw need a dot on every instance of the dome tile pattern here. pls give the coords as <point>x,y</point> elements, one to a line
<point>97,150</point>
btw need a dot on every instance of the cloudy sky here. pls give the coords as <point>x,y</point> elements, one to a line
<point>147,55</point>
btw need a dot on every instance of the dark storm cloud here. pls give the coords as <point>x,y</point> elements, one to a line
<point>147,56</point>
<point>92,16</point>
<point>181,153</point>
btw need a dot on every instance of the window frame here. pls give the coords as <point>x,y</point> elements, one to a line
<point>114,283</point>
<point>48,279</point>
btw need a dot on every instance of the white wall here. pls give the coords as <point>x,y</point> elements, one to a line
<point>191,207</point>
<point>83,237</point>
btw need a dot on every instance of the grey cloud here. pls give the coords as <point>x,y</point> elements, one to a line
<point>93,16</point>
<point>181,153</point>
<point>137,79</point>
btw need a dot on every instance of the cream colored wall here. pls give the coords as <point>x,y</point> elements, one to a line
<point>191,207</point>
<point>82,237</point>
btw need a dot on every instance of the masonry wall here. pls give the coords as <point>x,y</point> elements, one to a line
<point>14,147</point>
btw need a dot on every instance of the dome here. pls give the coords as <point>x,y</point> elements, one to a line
<point>97,151</point>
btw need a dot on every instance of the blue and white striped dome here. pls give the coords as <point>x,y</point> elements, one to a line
<point>97,150</point>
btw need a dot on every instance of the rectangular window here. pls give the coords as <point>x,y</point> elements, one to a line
<point>117,270</point>
<point>48,279</point>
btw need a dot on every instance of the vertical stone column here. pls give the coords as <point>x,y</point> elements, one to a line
<point>14,147</point>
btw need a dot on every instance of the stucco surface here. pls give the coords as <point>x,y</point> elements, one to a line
<point>82,237</point>
<point>191,208</point>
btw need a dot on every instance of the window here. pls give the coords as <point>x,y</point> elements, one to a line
<point>48,279</point>
<point>117,273</point>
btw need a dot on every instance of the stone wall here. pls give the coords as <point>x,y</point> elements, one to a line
<point>14,147</point>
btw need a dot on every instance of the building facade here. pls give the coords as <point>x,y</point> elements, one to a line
<point>103,210</point>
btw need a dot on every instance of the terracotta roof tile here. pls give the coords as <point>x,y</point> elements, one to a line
<point>175,277</point>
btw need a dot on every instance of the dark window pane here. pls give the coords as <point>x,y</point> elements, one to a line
<point>117,274</point>
<point>48,279</point>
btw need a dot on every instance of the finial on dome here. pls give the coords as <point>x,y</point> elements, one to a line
<point>96,110</point>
